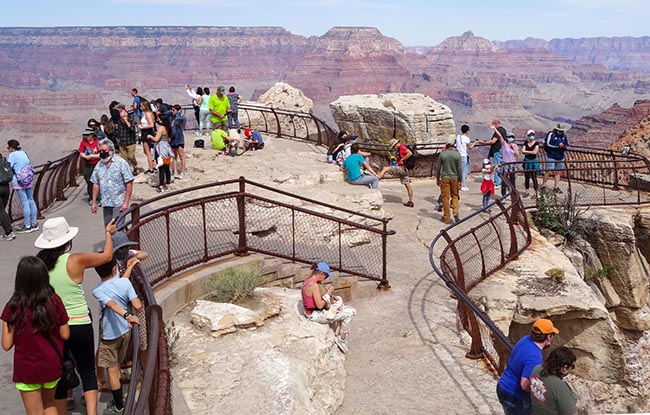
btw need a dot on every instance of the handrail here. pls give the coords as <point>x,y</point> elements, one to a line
<point>589,168</point>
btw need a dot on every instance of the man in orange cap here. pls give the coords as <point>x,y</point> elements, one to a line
<point>513,388</point>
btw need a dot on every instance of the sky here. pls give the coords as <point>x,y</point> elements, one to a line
<point>412,22</point>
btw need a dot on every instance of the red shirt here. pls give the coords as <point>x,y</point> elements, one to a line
<point>35,361</point>
<point>86,148</point>
<point>401,154</point>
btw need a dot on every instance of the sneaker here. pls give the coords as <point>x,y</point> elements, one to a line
<point>24,229</point>
<point>409,204</point>
<point>167,189</point>
<point>35,227</point>
<point>557,190</point>
<point>439,208</point>
<point>456,218</point>
<point>180,175</point>
<point>112,410</point>
<point>8,237</point>
<point>542,189</point>
<point>497,187</point>
<point>198,134</point>
<point>341,343</point>
<point>159,189</point>
<point>464,189</point>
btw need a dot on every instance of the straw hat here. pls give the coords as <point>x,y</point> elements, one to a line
<point>56,232</point>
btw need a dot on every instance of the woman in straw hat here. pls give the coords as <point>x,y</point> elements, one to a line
<point>66,276</point>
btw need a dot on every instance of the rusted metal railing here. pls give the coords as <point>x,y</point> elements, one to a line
<point>482,244</point>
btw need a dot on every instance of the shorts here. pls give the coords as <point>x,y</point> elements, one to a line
<point>175,146</point>
<point>401,173</point>
<point>30,387</point>
<point>554,164</point>
<point>111,353</point>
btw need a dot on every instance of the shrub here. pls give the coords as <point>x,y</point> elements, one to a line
<point>173,336</point>
<point>556,275</point>
<point>559,215</point>
<point>235,284</point>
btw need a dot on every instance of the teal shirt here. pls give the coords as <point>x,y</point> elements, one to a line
<point>353,166</point>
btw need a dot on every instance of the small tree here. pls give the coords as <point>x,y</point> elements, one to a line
<point>235,284</point>
<point>562,216</point>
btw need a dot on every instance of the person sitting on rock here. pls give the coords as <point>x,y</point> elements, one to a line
<point>220,139</point>
<point>347,140</point>
<point>252,140</point>
<point>353,164</point>
<point>326,308</point>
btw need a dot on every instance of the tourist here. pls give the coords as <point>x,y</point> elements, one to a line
<point>136,106</point>
<point>219,106</point>
<point>530,165</point>
<point>498,136</point>
<point>463,145</point>
<point>513,388</point>
<point>550,394</point>
<point>556,144</point>
<point>196,105</point>
<point>487,185</point>
<point>66,277</point>
<point>89,153</point>
<point>205,125</point>
<point>509,155</point>
<point>114,296</point>
<point>112,182</point>
<point>22,184</point>
<point>126,137</point>
<point>35,321</point>
<point>234,99</point>
<point>123,253</point>
<point>164,152</point>
<point>177,142</point>
<point>147,128</point>
<point>399,170</point>
<point>220,139</point>
<point>326,308</point>
<point>6,176</point>
<point>449,176</point>
<point>252,140</point>
<point>108,128</point>
<point>353,164</point>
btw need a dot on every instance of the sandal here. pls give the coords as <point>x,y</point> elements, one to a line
<point>409,204</point>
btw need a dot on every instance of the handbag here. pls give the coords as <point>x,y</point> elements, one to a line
<point>69,378</point>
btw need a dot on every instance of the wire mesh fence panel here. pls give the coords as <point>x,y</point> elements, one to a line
<point>269,227</point>
<point>318,239</point>
<point>153,239</point>
<point>221,226</point>
<point>186,237</point>
<point>361,251</point>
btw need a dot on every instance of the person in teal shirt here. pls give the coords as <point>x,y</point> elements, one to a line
<point>352,165</point>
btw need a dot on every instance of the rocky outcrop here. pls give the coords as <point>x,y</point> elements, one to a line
<point>413,118</point>
<point>291,363</point>
<point>466,41</point>
<point>284,96</point>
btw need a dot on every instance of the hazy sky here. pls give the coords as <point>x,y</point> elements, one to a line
<point>425,22</point>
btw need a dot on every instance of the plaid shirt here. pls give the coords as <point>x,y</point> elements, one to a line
<point>126,135</point>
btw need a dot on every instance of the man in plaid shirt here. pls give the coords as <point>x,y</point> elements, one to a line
<point>126,132</point>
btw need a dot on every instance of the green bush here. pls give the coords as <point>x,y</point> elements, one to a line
<point>556,275</point>
<point>561,215</point>
<point>234,284</point>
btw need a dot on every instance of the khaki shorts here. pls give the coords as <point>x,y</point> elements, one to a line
<point>401,173</point>
<point>111,353</point>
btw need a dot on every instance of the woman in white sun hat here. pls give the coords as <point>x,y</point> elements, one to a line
<point>66,276</point>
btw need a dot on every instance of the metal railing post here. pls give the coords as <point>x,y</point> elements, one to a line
<point>135,220</point>
<point>242,249</point>
<point>277,122</point>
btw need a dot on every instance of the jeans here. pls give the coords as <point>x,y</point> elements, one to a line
<point>204,121</point>
<point>497,159</point>
<point>466,168</point>
<point>512,405</point>
<point>26,197</point>
<point>449,188</point>
<point>486,198</point>
<point>109,213</point>
<point>371,181</point>
<point>233,119</point>
<point>4,200</point>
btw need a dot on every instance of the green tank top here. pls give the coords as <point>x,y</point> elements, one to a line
<point>71,293</point>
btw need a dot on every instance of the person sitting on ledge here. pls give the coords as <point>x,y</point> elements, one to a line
<point>252,140</point>
<point>353,164</point>
<point>220,139</point>
<point>325,308</point>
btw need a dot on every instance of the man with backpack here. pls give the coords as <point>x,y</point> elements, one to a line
<point>233,116</point>
<point>400,168</point>
<point>555,145</point>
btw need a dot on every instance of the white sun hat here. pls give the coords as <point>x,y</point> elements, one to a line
<point>56,232</point>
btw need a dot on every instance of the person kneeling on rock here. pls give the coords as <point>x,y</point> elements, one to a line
<point>326,308</point>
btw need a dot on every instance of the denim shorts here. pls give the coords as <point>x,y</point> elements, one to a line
<point>513,405</point>
<point>554,164</point>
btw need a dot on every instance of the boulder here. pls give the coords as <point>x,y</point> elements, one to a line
<point>223,318</point>
<point>413,118</point>
<point>284,96</point>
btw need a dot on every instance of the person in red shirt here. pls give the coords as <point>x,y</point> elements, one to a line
<point>89,153</point>
<point>35,321</point>
<point>403,153</point>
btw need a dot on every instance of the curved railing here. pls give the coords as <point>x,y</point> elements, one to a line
<point>482,243</point>
<point>51,179</point>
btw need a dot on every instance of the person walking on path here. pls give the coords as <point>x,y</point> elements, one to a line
<point>449,176</point>
<point>66,272</point>
<point>487,185</point>
<point>556,144</point>
<point>22,184</point>
<point>463,145</point>
<point>113,180</point>
<point>513,388</point>
<point>353,164</point>
<point>498,136</point>
<point>36,323</point>
<point>550,394</point>
<point>6,176</point>
<point>399,170</point>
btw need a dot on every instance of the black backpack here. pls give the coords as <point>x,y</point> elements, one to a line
<point>409,163</point>
<point>6,173</point>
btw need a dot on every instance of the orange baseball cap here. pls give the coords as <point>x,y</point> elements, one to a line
<point>544,326</point>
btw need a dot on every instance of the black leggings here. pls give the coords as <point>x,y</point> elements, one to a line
<point>4,200</point>
<point>164,175</point>
<point>82,346</point>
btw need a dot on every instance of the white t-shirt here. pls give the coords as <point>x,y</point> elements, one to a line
<point>461,144</point>
<point>487,172</point>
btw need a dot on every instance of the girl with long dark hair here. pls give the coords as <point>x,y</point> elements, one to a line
<point>35,321</point>
<point>147,128</point>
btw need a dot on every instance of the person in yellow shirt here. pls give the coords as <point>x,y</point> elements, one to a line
<point>219,106</point>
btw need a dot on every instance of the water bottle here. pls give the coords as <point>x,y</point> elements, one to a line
<point>393,162</point>
<point>329,159</point>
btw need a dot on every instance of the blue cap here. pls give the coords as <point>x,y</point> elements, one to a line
<point>323,267</point>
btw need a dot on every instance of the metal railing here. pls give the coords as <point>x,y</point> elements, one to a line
<point>51,179</point>
<point>482,243</point>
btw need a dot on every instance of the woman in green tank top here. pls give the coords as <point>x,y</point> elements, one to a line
<point>66,276</point>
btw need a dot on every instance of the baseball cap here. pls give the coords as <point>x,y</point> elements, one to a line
<point>450,141</point>
<point>120,105</point>
<point>323,267</point>
<point>530,132</point>
<point>220,88</point>
<point>88,131</point>
<point>544,326</point>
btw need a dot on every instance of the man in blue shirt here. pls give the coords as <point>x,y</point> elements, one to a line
<point>353,165</point>
<point>555,146</point>
<point>513,388</point>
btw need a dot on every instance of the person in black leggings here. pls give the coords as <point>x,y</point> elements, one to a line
<point>531,166</point>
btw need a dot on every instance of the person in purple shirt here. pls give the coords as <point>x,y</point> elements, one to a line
<point>509,154</point>
<point>513,388</point>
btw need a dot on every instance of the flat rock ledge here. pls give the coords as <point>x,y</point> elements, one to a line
<point>287,366</point>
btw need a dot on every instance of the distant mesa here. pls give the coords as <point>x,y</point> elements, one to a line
<point>466,41</point>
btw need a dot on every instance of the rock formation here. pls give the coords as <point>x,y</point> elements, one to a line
<point>413,118</point>
<point>284,96</point>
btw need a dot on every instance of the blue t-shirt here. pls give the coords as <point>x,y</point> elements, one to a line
<point>136,101</point>
<point>121,291</point>
<point>257,136</point>
<point>523,359</point>
<point>18,160</point>
<point>353,166</point>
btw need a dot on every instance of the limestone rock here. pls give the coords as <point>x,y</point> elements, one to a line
<point>414,118</point>
<point>637,319</point>
<point>223,318</point>
<point>283,95</point>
